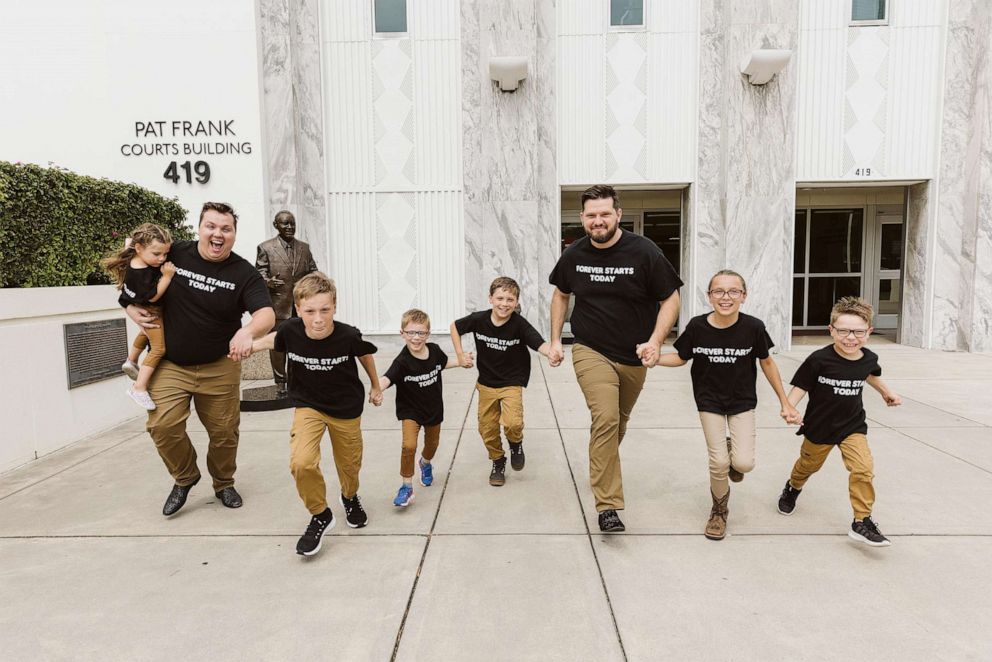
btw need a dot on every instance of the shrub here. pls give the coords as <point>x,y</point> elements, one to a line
<point>55,225</point>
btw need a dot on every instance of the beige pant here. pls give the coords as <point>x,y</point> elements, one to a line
<point>214,389</point>
<point>154,338</point>
<point>411,431</point>
<point>500,406</point>
<point>304,455</point>
<point>740,455</point>
<point>857,458</point>
<point>611,390</point>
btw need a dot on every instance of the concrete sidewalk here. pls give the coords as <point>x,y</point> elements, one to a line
<point>89,569</point>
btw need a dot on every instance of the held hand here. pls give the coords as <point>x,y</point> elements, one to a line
<point>791,415</point>
<point>240,345</point>
<point>892,400</point>
<point>649,353</point>
<point>375,396</point>
<point>142,317</point>
<point>556,354</point>
<point>168,269</point>
<point>467,360</point>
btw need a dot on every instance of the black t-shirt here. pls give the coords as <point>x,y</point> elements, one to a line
<point>617,290</point>
<point>418,385</point>
<point>139,286</point>
<point>834,385</point>
<point>724,362</point>
<point>323,374</point>
<point>501,351</point>
<point>205,301</point>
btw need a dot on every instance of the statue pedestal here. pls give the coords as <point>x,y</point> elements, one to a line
<point>264,398</point>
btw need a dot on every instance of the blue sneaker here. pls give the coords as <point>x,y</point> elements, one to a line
<point>404,496</point>
<point>426,473</point>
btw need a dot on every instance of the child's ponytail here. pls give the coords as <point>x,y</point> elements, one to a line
<point>116,262</point>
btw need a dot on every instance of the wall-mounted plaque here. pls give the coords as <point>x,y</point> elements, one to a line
<point>94,351</point>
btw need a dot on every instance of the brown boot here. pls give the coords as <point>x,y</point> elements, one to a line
<point>716,528</point>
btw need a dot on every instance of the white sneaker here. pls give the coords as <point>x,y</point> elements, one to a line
<point>142,398</point>
<point>130,368</point>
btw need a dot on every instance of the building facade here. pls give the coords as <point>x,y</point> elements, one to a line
<point>864,166</point>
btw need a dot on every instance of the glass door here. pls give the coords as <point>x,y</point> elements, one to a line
<point>829,257</point>
<point>888,272</point>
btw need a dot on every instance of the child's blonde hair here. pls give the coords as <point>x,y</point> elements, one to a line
<point>852,306</point>
<point>116,262</point>
<point>312,284</point>
<point>505,283</point>
<point>415,316</point>
<point>727,272</point>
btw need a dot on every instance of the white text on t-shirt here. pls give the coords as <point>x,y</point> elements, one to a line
<point>314,363</point>
<point>425,379</point>
<point>205,283</point>
<point>498,344</point>
<point>603,274</point>
<point>722,354</point>
<point>843,386</point>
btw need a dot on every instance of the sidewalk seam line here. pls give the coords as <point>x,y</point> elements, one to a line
<point>430,533</point>
<point>585,521</point>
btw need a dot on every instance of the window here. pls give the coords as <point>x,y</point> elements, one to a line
<point>626,13</point>
<point>390,16</point>
<point>868,12</point>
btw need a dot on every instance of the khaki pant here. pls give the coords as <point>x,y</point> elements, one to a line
<point>500,406</point>
<point>411,430</point>
<point>304,455</point>
<point>741,452</point>
<point>214,389</point>
<point>857,458</point>
<point>154,338</point>
<point>611,391</point>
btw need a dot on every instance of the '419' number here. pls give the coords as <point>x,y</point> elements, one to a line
<point>201,168</point>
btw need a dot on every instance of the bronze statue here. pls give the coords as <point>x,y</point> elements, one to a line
<point>282,261</point>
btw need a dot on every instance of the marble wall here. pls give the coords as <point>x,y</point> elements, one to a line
<point>292,122</point>
<point>510,185</point>
<point>741,207</point>
<point>949,238</point>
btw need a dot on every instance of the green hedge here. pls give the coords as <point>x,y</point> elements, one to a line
<point>55,225</point>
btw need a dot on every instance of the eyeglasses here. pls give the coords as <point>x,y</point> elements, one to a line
<point>844,333</point>
<point>733,294</point>
<point>416,334</point>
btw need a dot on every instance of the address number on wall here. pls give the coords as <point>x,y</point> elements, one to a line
<point>862,172</point>
<point>200,171</point>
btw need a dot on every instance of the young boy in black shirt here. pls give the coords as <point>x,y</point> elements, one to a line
<point>724,346</point>
<point>416,372</point>
<point>834,376</point>
<point>324,385</point>
<point>501,339</point>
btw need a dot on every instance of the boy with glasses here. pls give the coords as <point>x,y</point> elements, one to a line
<point>834,376</point>
<point>416,373</point>
<point>502,337</point>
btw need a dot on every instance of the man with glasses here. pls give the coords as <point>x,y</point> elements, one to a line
<point>626,302</point>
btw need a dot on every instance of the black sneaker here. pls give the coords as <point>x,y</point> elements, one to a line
<point>734,475</point>
<point>309,543</point>
<point>787,501</point>
<point>609,522</point>
<point>866,531</point>
<point>497,476</point>
<point>354,514</point>
<point>517,455</point>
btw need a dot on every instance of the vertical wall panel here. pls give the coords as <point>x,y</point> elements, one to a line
<point>437,93</point>
<point>353,257</point>
<point>627,98</point>
<point>440,247</point>
<point>348,115</point>
<point>868,95</point>
<point>392,117</point>
<point>581,107</point>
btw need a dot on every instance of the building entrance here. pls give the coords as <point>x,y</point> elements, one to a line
<point>852,249</point>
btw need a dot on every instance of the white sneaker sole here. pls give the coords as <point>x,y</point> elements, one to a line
<point>321,541</point>
<point>405,504</point>
<point>782,512</point>
<point>131,371</point>
<point>354,526</point>
<point>131,394</point>
<point>860,538</point>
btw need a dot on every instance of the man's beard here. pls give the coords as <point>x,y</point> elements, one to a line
<point>610,234</point>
